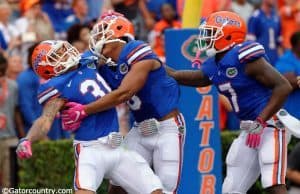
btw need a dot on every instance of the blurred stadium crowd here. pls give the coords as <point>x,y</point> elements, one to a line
<point>23,23</point>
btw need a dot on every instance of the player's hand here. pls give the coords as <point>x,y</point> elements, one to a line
<point>73,116</point>
<point>24,149</point>
<point>70,126</point>
<point>254,130</point>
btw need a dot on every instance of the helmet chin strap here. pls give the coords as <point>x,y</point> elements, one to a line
<point>212,51</point>
<point>98,49</point>
<point>108,61</point>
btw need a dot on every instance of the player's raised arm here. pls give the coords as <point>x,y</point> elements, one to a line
<point>131,84</point>
<point>40,127</point>
<point>264,73</point>
<point>194,78</point>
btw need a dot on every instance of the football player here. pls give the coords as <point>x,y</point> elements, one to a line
<point>138,77</point>
<point>240,70</point>
<point>97,142</point>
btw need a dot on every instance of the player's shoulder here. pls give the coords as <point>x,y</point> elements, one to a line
<point>247,50</point>
<point>49,89</point>
<point>136,50</point>
<point>135,46</point>
<point>208,67</point>
<point>55,85</point>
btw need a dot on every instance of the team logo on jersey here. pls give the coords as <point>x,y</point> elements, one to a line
<point>231,72</point>
<point>123,68</point>
<point>91,66</point>
<point>189,49</point>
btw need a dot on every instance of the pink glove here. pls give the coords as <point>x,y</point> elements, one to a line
<point>255,130</point>
<point>70,126</point>
<point>72,117</point>
<point>24,149</point>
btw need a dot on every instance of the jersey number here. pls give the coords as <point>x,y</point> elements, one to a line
<point>227,87</point>
<point>93,87</point>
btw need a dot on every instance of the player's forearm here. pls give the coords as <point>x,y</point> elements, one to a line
<point>39,129</point>
<point>108,101</point>
<point>190,78</point>
<point>293,176</point>
<point>42,125</point>
<point>279,95</point>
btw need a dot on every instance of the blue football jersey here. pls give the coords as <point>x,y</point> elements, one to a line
<point>159,95</point>
<point>247,96</point>
<point>267,31</point>
<point>83,85</point>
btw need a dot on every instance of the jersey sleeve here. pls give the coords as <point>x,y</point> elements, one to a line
<point>250,51</point>
<point>208,68</point>
<point>47,91</point>
<point>138,51</point>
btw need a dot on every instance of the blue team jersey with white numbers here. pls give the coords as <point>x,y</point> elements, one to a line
<point>160,94</point>
<point>267,31</point>
<point>83,85</point>
<point>247,96</point>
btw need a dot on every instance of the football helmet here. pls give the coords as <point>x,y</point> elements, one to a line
<point>111,28</point>
<point>220,32</point>
<point>53,57</point>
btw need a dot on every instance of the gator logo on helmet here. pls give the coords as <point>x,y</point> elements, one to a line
<point>38,58</point>
<point>189,49</point>
<point>232,22</point>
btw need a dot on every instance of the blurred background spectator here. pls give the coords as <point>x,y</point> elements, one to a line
<point>34,24</point>
<point>156,36</point>
<point>78,36</point>
<point>80,14</point>
<point>58,11</point>
<point>11,126</point>
<point>290,20</point>
<point>10,33</point>
<point>289,66</point>
<point>243,8</point>
<point>94,9</point>
<point>264,27</point>
<point>15,66</point>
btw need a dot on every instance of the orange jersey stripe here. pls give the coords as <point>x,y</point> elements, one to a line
<point>180,137</point>
<point>136,49</point>
<point>275,166</point>
<point>283,168</point>
<point>77,167</point>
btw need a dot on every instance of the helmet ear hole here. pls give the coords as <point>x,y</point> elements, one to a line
<point>119,27</point>
<point>228,37</point>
